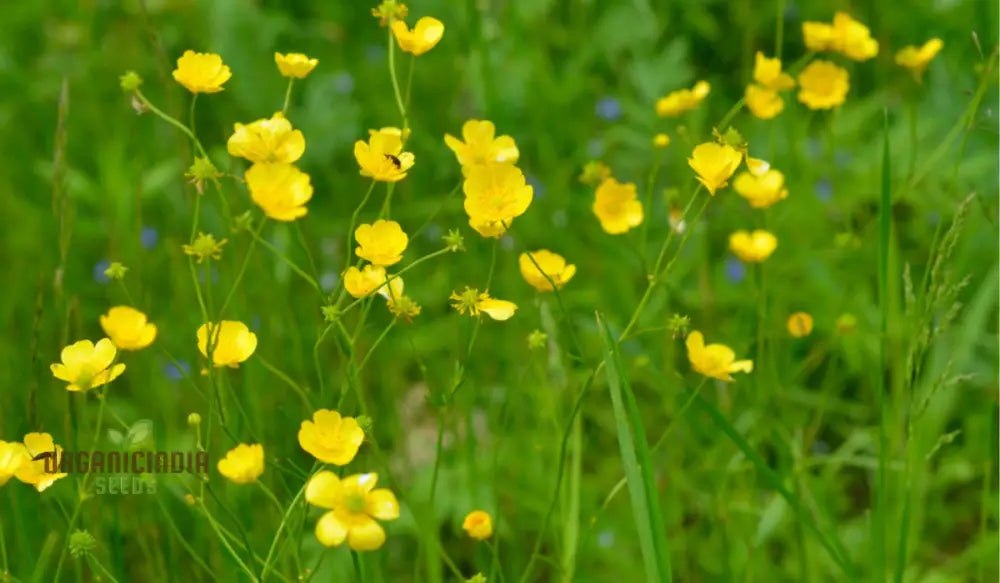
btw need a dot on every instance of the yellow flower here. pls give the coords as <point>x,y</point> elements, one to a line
<point>243,464</point>
<point>682,100</point>
<point>362,282</point>
<point>478,525</point>
<point>280,190</point>
<point>267,140</point>
<point>472,301</point>
<point>32,471</point>
<point>205,247</point>
<point>495,194</point>
<point>823,85</point>
<point>548,264</point>
<point>128,328</point>
<point>714,164</point>
<point>846,36</point>
<point>330,438</point>
<point>201,72</point>
<point>86,365</point>
<point>617,206</point>
<point>767,73</point>
<point>916,59</point>
<point>482,145</point>
<point>717,361</point>
<point>354,504</point>
<point>800,324</point>
<point>295,65</point>
<point>234,342</point>
<point>12,457</point>
<point>381,242</point>
<point>757,166</point>
<point>763,103</point>
<point>422,38</point>
<point>761,191</point>
<point>752,247</point>
<point>403,307</point>
<point>382,157</point>
<point>661,141</point>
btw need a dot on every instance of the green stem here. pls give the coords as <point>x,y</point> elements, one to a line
<point>378,341</point>
<point>281,528</point>
<point>243,267</point>
<point>288,95</point>
<point>287,380</point>
<point>4,565</point>
<point>298,270</point>
<point>96,565</point>
<point>395,83</point>
<point>316,363</point>
<point>225,542</point>
<point>172,121</point>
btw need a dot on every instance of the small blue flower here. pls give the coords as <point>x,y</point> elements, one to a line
<point>536,185</point>
<point>149,237</point>
<point>605,539</point>
<point>172,372</point>
<point>813,147</point>
<point>559,218</point>
<point>595,148</point>
<point>933,218</point>
<point>736,272</point>
<point>608,108</point>
<point>433,232</point>
<point>824,189</point>
<point>842,158</point>
<point>255,323</point>
<point>343,83</point>
<point>99,270</point>
<point>328,281</point>
<point>375,53</point>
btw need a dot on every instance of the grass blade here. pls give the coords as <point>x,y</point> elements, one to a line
<point>774,481</point>
<point>884,225</point>
<point>637,463</point>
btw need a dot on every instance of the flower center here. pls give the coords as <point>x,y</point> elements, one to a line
<point>355,502</point>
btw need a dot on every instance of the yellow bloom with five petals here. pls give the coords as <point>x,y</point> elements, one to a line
<point>294,65</point>
<point>362,282</point>
<point>767,73</point>
<point>716,361</point>
<point>331,438</point>
<point>478,525</point>
<point>382,242</point>
<point>86,365</point>
<point>538,267</point>
<point>762,102</point>
<point>33,471</point>
<point>800,324</point>
<point>753,247</point>
<point>12,457</point>
<point>354,506</point>
<point>201,72</point>
<point>482,145</point>
<point>682,100</point>
<point>382,157</point>
<point>714,164</point>
<point>233,342</point>
<point>280,190</point>
<point>617,206</point>
<point>823,85</point>
<point>845,35</point>
<point>494,196</point>
<point>475,302</point>
<point>916,59</point>
<point>128,328</point>
<point>425,34</point>
<point>763,190</point>
<point>267,140</point>
<point>243,464</point>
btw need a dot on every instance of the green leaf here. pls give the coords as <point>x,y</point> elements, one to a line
<point>637,463</point>
<point>141,431</point>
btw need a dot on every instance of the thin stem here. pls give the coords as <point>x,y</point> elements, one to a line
<point>172,121</point>
<point>96,565</point>
<point>298,270</point>
<point>287,380</point>
<point>4,565</point>
<point>236,557</point>
<point>243,268</point>
<point>288,95</point>
<point>395,83</point>
<point>378,340</point>
<point>281,528</point>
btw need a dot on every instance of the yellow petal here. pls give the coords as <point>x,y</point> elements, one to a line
<point>382,504</point>
<point>330,531</point>
<point>365,535</point>
<point>323,490</point>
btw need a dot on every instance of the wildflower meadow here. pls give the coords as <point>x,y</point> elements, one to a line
<point>504,291</point>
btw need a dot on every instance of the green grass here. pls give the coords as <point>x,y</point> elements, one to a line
<point>862,452</point>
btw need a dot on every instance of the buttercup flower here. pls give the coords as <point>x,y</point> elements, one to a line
<point>916,59</point>
<point>482,145</point>
<point>205,247</point>
<point>617,206</point>
<point>128,328</point>
<point>763,103</point>
<point>294,65</point>
<point>716,361</point>
<point>478,525</point>
<point>422,38</point>
<point>330,438</point>
<point>354,504</point>
<point>403,307</point>
<point>382,242</point>
<point>800,324</point>
<point>818,36</point>
<point>714,164</point>
<point>761,191</point>
<point>32,471</point>
<point>846,36</point>
<point>12,456</point>
<point>86,365</point>
<point>548,264</point>
<point>767,73</point>
<point>382,157</point>
<point>823,85</point>
<point>362,282</point>
<point>661,141</point>
<point>201,72</point>
<point>495,194</point>
<point>267,140</point>
<point>234,342</point>
<point>472,301</point>
<point>243,464</point>
<point>280,190</point>
<point>682,100</point>
<point>752,247</point>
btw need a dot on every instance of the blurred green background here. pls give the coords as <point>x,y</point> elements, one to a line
<point>86,181</point>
